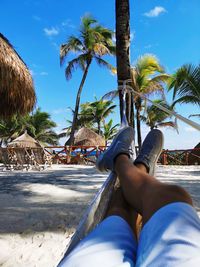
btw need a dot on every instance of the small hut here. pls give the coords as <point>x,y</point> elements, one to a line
<point>24,141</point>
<point>17,95</point>
<point>87,137</point>
<point>194,156</point>
<point>27,149</point>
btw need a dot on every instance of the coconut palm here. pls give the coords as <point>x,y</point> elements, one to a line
<point>109,131</point>
<point>147,78</point>
<point>38,125</point>
<point>98,111</point>
<point>122,12</point>
<point>8,129</point>
<point>155,117</point>
<point>93,43</point>
<point>185,83</point>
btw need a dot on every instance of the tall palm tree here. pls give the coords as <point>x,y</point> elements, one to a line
<point>122,13</point>
<point>185,83</point>
<point>93,42</point>
<point>147,77</point>
<point>155,117</point>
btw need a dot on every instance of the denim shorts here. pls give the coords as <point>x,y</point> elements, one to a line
<point>171,238</point>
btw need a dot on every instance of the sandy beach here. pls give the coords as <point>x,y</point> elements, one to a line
<point>39,211</point>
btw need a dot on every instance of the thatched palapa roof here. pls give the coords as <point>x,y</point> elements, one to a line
<point>87,137</point>
<point>24,140</point>
<point>17,95</point>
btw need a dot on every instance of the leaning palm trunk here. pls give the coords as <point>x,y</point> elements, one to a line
<point>73,129</point>
<point>122,52</point>
<point>138,109</point>
<point>138,128</point>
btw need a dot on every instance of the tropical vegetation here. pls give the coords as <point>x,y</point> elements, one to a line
<point>92,43</point>
<point>148,77</point>
<point>154,117</point>
<point>38,125</point>
<point>93,115</point>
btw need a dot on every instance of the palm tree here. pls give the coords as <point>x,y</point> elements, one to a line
<point>147,77</point>
<point>155,117</point>
<point>38,125</point>
<point>8,129</point>
<point>185,83</point>
<point>109,131</point>
<point>99,110</point>
<point>122,14</point>
<point>93,42</point>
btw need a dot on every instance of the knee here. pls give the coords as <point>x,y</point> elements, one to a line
<point>177,194</point>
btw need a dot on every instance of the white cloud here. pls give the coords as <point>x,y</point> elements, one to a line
<point>36,18</point>
<point>155,12</point>
<point>68,23</point>
<point>43,73</point>
<point>51,31</point>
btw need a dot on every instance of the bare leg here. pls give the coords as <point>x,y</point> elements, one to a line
<point>120,207</point>
<point>143,192</point>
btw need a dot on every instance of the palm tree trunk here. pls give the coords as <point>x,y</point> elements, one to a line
<point>71,138</point>
<point>99,127</point>
<point>122,49</point>
<point>138,127</point>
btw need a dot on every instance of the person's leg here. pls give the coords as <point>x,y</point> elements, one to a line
<point>144,192</point>
<point>111,243</point>
<point>171,228</point>
<point>171,232</point>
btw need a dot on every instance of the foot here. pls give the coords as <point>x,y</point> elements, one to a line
<point>151,150</point>
<point>123,143</point>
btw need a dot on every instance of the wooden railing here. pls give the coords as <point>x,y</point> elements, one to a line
<point>180,157</point>
<point>84,154</point>
<point>75,154</point>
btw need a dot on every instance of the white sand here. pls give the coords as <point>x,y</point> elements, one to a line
<point>39,211</point>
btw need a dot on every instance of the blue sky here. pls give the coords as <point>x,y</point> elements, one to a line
<point>169,29</point>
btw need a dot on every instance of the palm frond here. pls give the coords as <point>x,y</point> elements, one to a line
<point>101,62</point>
<point>73,44</point>
<point>111,95</point>
<point>80,61</point>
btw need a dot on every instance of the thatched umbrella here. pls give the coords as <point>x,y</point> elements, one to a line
<point>87,137</point>
<point>25,140</point>
<point>17,95</point>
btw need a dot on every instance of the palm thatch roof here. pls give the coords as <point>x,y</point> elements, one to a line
<point>17,95</point>
<point>24,140</point>
<point>87,137</point>
<point>194,156</point>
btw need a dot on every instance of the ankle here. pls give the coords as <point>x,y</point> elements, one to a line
<point>141,167</point>
<point>121,158</point>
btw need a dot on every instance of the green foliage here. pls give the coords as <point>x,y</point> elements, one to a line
<point>185,83</point>
<point>93,42</point>
<point>38,125</point>
<point>109,131</point>
<point>92,115</point>
<point>155,117</point>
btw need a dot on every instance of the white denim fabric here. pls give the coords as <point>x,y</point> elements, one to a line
<point>171,238</point>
